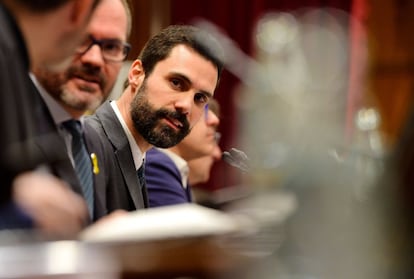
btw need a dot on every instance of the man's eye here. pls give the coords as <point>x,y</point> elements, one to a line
<point>176,83</point>
<point>201,98</point>
<point>112,47</point>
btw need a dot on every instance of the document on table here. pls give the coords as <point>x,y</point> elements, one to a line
<point>168,222</point>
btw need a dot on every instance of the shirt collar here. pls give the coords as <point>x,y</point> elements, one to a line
<point>59,114</point>
<point>181,164</point>
<point>137,154</point>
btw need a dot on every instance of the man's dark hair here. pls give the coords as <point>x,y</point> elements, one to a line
<point>159,47</point>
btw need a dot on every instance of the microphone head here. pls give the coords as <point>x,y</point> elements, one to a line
<point>236,158</point>
<point>238,154</point>
<point>226,157</point>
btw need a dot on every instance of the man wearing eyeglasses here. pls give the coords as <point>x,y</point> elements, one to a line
<point>83,87</point>
<point>92,74</point>
<point>167,171</point>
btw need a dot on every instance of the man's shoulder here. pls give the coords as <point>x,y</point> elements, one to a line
<point>97,120</point>
<point>157,162</point>
<point>107,126</point>
<point>92,122</point>
<point>155,152</point>
<point>154,155</point>
<point>95,131</point>
<point>12,44</point>
<point>104,118</point>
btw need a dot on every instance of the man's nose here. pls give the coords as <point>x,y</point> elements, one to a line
<point>185,103</point>
<point>212,119</point>
<point>93,56</point>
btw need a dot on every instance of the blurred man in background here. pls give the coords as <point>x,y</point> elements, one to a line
<point>200,168</point>
<point>34,33</point>
<point>83,87</point>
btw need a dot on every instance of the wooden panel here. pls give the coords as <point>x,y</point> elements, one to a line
<point>149,16</point>
<point>391,78</point>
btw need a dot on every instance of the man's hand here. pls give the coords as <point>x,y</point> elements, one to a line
<point>57,211</point>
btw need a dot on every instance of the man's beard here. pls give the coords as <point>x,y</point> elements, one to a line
<point>55,85</point>
<point>148,122</point>
<point>81,105</point>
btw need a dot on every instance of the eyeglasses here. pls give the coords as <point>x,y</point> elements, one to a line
<point>206,109</point>
<point>112,50</point>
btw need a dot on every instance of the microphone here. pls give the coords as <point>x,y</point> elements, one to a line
<point>236,158</point>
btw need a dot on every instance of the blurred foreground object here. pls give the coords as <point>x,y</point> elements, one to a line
<point>56,259</point>
<point>189,240</point>
<point>293,106</point>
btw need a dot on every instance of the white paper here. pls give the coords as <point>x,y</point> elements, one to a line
<point>176,221</point>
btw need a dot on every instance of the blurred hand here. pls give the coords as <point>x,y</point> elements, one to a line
<point>103,223</point>
<point>119,213</point>
<point>57,211</point>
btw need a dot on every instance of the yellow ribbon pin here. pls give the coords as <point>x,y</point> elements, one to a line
<point>95,168</point>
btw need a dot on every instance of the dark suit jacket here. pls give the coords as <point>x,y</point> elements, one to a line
<point>18,107</point>
<point>121,189</point>
<point>163,180</point>
<point>29,137</point>
<point>50,142</point>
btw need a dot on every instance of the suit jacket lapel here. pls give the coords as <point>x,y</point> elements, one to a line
<point>98,178</point>
<point>117,137</point>
<point>52,144</point>
<point>127,166</point>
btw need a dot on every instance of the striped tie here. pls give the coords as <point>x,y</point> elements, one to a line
<point>141,178</point>
<point>83,165</point>
<point>141,175</point>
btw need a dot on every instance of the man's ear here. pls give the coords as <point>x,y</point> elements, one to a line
<point>81,11</point>
<point>136,75</point>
